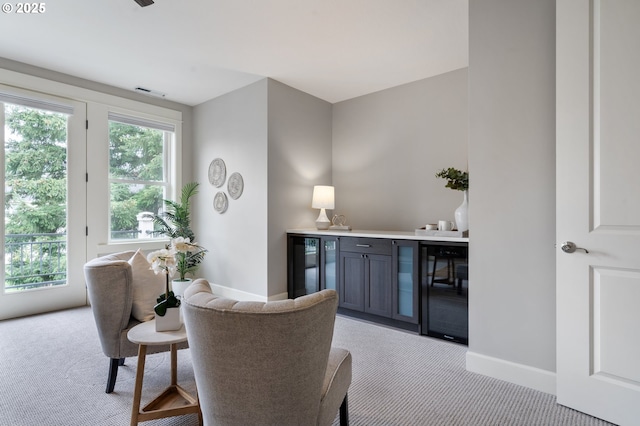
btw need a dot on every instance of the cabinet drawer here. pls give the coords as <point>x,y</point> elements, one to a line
<point>366,245</point>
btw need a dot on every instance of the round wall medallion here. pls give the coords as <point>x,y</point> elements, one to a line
<point>220,202</point>
<point>235,185</point>
<point>217,172</point>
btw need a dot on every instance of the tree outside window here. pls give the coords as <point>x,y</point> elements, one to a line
<point>137,175</point>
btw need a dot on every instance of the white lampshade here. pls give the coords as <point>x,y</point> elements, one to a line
<point>323,197</point>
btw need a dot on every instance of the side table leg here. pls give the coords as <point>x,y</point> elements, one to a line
<point>174,364</point>
<point>137,393</point>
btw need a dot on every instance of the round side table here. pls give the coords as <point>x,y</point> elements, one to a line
<point>174,401</point>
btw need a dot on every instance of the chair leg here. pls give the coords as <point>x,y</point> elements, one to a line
<point>113,373</point>
<point>344,412</point>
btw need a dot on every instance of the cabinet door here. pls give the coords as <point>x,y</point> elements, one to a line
<point>405,280</point>
<point>304,266</point>
<point>352,282</point>
<point>329,263</point>
<point>378,284</point>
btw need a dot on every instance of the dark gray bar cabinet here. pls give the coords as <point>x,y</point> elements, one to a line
<point>383,277</point>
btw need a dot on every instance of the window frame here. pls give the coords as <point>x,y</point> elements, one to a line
<point>169,179</point>
<point>98,105</point>
<point>99,212</point>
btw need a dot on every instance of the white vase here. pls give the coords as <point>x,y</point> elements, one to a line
<point>462,214</point>
<point>170,321</point>
<point>179,286</point>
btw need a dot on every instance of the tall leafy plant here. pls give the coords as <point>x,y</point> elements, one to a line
<point>175,223</point>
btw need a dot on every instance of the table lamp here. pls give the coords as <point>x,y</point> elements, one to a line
<point>323,198</point>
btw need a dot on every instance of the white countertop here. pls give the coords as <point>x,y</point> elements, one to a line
<point>400,235</point>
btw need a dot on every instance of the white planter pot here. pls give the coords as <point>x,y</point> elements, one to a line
<point>179,287</point>
<point>172,320</point>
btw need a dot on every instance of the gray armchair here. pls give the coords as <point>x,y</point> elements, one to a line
<point>268,363</point>
<point>109,285</point>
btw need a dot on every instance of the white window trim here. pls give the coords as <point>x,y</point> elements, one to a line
<point>98,106</point>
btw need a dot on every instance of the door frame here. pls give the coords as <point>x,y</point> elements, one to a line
<point>73,293</point>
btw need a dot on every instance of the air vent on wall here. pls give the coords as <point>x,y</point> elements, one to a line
<point>149,92</point>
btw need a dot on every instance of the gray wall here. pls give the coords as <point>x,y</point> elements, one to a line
<point>512,167</point>
<point>233,127</point>
<point>388,146</point>
<point>279,139</point>
<point>299,157</point>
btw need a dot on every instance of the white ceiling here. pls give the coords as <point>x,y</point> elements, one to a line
<point>196,50</point>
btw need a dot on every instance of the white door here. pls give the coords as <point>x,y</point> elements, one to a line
<point>44,217</point>
<point>598,207</point>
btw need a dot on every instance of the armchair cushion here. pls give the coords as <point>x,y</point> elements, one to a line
<point>147,286</point>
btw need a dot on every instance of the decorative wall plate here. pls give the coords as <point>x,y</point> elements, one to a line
<point>235,185</point>
<point>220,202</point>
<point>217,172</point>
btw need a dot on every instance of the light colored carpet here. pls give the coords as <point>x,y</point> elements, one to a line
<point>54,373</point>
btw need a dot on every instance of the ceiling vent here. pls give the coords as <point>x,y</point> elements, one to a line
<point>144,3</point>
<point>149,92</point>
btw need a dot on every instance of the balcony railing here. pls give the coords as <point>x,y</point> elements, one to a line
<point>40,260</point>
<point>35,260</point>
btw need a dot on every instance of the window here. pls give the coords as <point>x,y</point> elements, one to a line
<point>139,174</point>
<point>121,157</point>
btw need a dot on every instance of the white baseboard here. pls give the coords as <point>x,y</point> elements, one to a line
<point>523,375</point>
<point>236,294</point>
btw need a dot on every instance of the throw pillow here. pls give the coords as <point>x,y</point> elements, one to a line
<point>147,286</point>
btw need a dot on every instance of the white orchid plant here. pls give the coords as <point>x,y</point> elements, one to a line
<point>180,256</point>
<point>164,262</point>
<point>188,255</point>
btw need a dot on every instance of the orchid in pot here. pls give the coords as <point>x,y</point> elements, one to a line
<point>164,262</point>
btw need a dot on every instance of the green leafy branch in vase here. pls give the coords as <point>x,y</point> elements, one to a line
<point>456,179</point>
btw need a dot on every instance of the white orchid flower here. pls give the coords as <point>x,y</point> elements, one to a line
<point>162,261</point>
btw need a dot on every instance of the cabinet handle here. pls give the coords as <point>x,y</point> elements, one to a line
<point>363,245</point>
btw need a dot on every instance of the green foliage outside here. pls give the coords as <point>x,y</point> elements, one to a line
<point>35,195</point>
<point>135,153</point>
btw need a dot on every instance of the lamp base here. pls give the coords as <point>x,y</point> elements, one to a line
<point>322,222</point>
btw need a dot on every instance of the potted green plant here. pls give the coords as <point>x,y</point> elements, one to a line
<point>188,257</point>
<point>175,222</point>
<point>459,181</point>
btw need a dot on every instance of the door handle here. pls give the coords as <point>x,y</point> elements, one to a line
<point>570,247</point>
<point>363,245</point>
